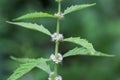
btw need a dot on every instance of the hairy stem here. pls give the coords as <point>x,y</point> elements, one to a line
<point>57,42</point>
<point>59,7</point>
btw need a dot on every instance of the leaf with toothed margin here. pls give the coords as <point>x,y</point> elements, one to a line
<point>44,66</point>
<point>77,8</point>
<point>28,66</point>
<point>84,43</point>
<point>82,51</point>
<point>32,26</point>
<point>35,15</point>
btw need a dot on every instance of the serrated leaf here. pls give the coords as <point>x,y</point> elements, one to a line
<point>23,69</point>
<point>32,26</point>
<point>83,51</point>
<point>22,60</point>
<point>77,7</point>
<point>35,15</point>
<point>43,65</point>
<point>82,42</point>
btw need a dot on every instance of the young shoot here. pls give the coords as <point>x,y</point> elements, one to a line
<point>83,46</point>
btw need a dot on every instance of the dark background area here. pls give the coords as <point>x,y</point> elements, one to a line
<point>100,25</point>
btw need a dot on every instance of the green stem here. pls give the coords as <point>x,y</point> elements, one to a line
<point>58,26</point>
<point>56,52</point>
<point>59,7</point>
<point>56,47</point>
<point>57,42</point>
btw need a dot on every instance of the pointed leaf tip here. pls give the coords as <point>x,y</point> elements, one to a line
<point>82,42</point>
<point>35,15</point>
<point>32,26</point>
<point>77,8</point>
<point>28,65</point>
<point>82,51</point>
<point>23,69</point>
<point>12,57</point>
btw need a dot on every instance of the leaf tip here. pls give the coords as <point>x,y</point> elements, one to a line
<point>16,19</point>
<point>93,4</point>
<point>111,55</point>
<point>9,22</point>
<point>12,57</point>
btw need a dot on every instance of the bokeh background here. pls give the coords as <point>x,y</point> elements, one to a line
<point>100,25</point>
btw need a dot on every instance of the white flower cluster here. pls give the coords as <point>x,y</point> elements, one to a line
<point>57,58</point>
<point>53,77</point>
<point>57,37</point>
<point>58,78</point>
<point>59,15</point>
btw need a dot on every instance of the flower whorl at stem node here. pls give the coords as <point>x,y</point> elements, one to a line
<point>53,76</point>
<point>57,37</point>
<point>58,78</point>
<point>59,15</point>
<point>57,59</point>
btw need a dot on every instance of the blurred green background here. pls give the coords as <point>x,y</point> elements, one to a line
<point>100,25</point>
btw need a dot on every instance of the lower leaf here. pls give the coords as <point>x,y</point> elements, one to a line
<point>23,69</point>
<point>28,65</point>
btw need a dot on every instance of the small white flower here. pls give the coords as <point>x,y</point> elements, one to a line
<point>52,73</point>
<point>49,79</point>
<point>57,37</point>
<point>57,58</point>
<point>53,57</point>
<point>52,76</point>
<point>59,15</point>
<point>58,78</point>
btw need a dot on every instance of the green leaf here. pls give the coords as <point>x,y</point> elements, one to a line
<point>22,60</point>
<point>28,66</point>
<point>82,42</point>
<point>83,51</point>
<point>77,7</point>
<point>23,69</point>
<point>42,65</point>
<point>35,15</point>
<point>32,26</point>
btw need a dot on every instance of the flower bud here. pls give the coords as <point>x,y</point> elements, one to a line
<point>57,59</point>
<point>52,76</point>
<point>57,37</point>
<point>59,15</point>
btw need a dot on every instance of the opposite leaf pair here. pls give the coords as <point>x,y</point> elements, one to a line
<point>29,64</point>
<point>76,40</point>
<point>47,15</point>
